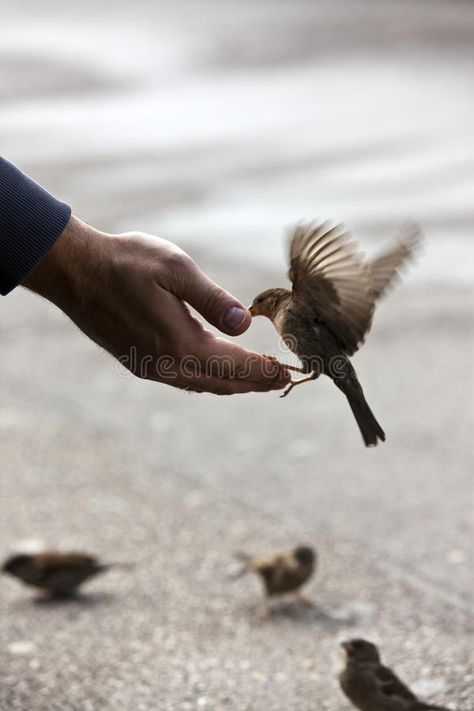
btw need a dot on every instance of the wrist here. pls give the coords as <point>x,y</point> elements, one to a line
<point>64,274</point>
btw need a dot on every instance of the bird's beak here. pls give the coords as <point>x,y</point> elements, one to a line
<point>253,310</point>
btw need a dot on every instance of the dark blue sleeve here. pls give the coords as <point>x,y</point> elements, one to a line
<point>31,220</point>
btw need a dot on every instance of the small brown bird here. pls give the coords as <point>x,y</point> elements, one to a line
<point>328,313</point>
<point>282,573</point>
<point>59,574</point>
<point>372,687</point>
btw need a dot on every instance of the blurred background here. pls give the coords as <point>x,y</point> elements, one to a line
<point>216,125</point>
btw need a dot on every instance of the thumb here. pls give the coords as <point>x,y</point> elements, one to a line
<point>218,307</point>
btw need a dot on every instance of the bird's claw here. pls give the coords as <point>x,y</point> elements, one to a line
<point>293,383</point>
<point>290,387</point>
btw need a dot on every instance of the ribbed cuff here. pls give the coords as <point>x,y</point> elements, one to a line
<point>31,220</point>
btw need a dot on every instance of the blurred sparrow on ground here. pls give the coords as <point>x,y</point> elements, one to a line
<point>282,573</point>
<point>372,687</point>
<point>327,315</point>
<point>57,573</point>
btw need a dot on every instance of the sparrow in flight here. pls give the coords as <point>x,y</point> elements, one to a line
<point>327,314</point>
<point>59,574</point>
<point>372,687</point>
<point>282,573</point>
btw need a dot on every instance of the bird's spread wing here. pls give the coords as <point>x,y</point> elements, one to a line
<point>391,686</point>
<point>384,268</point>
<point>330,277</point>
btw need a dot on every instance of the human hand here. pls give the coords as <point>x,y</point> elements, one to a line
<point>129,293</point>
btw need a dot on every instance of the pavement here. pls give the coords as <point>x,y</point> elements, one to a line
<point>96,460</point>
<point>176,483</point>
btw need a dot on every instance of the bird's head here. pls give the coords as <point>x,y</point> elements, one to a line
<point>269,302</point>
<point>359,650</point>
<point>15,564</point>
<point>304,555</point>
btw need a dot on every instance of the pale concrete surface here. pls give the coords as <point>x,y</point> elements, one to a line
<point>177,483</point>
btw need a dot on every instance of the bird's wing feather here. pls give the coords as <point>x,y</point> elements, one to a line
<point>50,561</point>
<point>268,566</point>
<point>391,685</point>
<point>384,268</point>
<point>329,276</point>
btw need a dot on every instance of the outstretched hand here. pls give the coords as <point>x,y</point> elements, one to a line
<point>129,293</point>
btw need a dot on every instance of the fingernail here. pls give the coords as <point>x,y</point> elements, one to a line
<point>234,317</point>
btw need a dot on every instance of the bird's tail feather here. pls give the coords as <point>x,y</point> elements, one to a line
<point>246,561</point>
<point>369,427</point>
<point>117,566</point>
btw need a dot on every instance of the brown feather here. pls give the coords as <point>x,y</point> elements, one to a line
<point>370,686</point>
<point>330,278</point>
<point>385,267</point>
<point>391,685</point>
<point>281,573</point>
<point>54,571</point>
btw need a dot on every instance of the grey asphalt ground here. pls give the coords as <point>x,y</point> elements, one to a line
<point>176,483</point>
